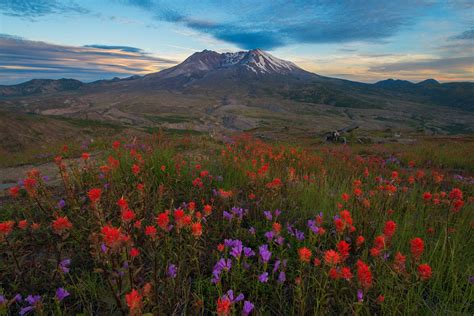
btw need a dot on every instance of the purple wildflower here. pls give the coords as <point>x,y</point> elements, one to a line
<point>248,252</point>
<point>172,271</point>
<point>64,265</point>
<point>360,295</point>
<point>281,277</point>
<point>61,203</point>
<point>269,235</point>
<point>268,215</point>
<point>3,300</point>
<point>299,234</point>
<point>277,213</point>
<point>227,215</point>
<point>265,254</point>
<point>61,294</point>
<point>252,230</point>
<point>263,278</point>
<point>248,307</point>
<point>236,251</point>
<point>103,248</point>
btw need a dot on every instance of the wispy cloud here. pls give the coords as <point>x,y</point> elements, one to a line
<point>466,35</point>
<point>31,9</point>
<point>268,25</point>
<point>87,63</point>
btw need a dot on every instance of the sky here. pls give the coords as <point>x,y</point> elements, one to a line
<point>365,40</point>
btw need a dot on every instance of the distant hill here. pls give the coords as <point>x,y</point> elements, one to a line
<point>40,86</point>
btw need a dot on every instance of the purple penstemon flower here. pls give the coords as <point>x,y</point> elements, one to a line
<point>277,213</point>
<point>236,251</point>
<point>360,295</point>
<point>252,230</point>
<point>61,204</point>
<point>248,252</point>
<point>280,240</point>
<point>265,254</point>
<point>269,235</point>
<point>227,215</point>
<point>268,215</point>
<point>32,301</point>
<point>263,278</point>
<point>299,234</point>
<point>281,277</point>
<point>61,294</point>
<point>248,307</point>
<point>64,265</point>
<point>172,271</point>
<point>3,300</point>
<point>230,297</point>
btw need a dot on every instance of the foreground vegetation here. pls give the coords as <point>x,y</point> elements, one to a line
<point>194,226</point>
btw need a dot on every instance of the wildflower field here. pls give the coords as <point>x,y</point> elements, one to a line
<point>195,226</point>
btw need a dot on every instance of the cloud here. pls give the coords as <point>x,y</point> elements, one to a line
<point>31,9</point>
<point>272,24</point>
<point>87,63</point>
<point>121,48</point>
<point>466,35</point>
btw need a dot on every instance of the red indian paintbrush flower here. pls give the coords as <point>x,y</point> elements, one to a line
<point>346,273</point>
<point>134,302</point>
<point>6,228</point>
<point>343,248</point>
<point>364,275</point>
<point>150,231</point>
<point>61,224</point>
<point>331,257</point>
<point>112,236</point>
<point>304,254</point>
<point>14,191</point>
<point>223,306</point>
<point>196,229</point>
<point>389,229</point>
<point>94,195</point>
<point>424,270</point>
<point>136,169</point>
<point>163,220</point>
<point>128,215</point>
<point>417,247</point>
<point>134,252</point>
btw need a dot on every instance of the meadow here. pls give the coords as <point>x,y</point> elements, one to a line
<point>191,225</point>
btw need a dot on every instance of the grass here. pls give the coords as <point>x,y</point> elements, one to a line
<point>214,195</point>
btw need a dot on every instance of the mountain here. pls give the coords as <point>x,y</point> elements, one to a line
<point>454,94</point>
<point>249,90</point>
<point>40,86</point>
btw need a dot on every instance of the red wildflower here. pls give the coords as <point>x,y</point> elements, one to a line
<point>150,231</point>
<point>135,169</point>
<point>23,224</point>
<point>427,196</point>
<point>345,197</point>
<point>112,236</point>
<point>122,203</point>
<point>304,254</point>
<point>417,246</point>
<point>380,299</point>
<point>346,273</point>
<point>6,227</point>
<point>455,194</point>
<point>457,205</point>
<point>394,175</point>
<point>29,184</point>
<point>134,302</point>
<point>163,220</point>
<point>333,274</point>
<point>399,262</point>
<point>357,192</point>
<point>196,228</point>
<point>343,248</point>
<point>207,209</point>
<point>85,156</point>
<point>317,262</point>
<point>424,270</point>
<point>134,252</point>
<point>379,242</point>
<point>374,252</point>
<point>14,191</point>
<point>331,257</point>
<point>276,227</point>
<point>116,144</point>
<point>364,274</point>
<point>339,225</point>
<point>359,241</point>
<point>128,215</point>
<point>389,229</point>
<point>61,224</point>
<point>275,183</point>
<point>94,195</point>
<point>223,306</point>
<point>220,247</point>
<point>198,183</point>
